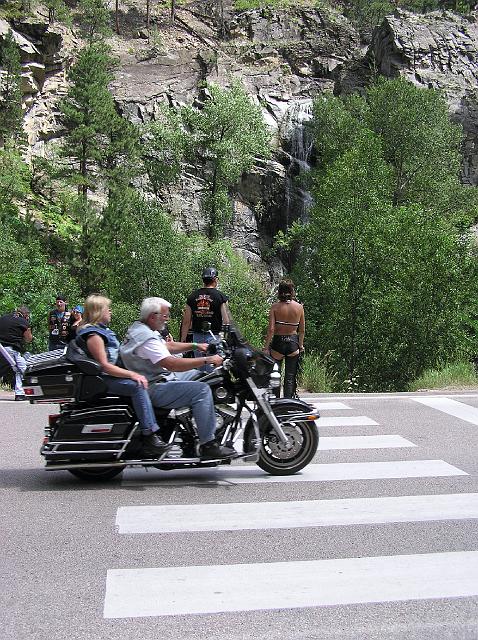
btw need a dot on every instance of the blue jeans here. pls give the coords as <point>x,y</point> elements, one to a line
<point>139,398</point>
<point>19,370</point>
<point>201,337</point>
<point>185,393</point>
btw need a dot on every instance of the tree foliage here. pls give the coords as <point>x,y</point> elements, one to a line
<point>228,135</point>
<point>147,256</point>
<point>11,114</point>
<point>94,20</point>
<point>221,140</point>
<point>386,281</point>
<point>100,147</point>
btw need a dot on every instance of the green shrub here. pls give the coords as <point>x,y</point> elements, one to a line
<point>454,375</point>
<point>315,375</point>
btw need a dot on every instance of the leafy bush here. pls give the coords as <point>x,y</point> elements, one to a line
<point>315,375</point>
<point>455,375</point>
<point>26,277</point>
<point>139,254</point>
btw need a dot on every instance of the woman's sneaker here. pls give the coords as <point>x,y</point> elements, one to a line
<point>212,450</point>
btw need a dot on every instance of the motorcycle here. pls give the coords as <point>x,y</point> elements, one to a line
<point>95,436</point>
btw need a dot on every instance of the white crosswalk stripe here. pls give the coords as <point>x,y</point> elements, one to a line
<point>452,407</point>
<point>347,421</point>
<point>314,472</point>
<point>328,406</point>
<point>336,443</point>
<point>306,513</point>
<point>246,587</point>
<point>215,588</point>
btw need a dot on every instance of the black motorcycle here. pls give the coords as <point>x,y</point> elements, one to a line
<point>95,436</point>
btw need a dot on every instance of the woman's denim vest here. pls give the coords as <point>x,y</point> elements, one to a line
<point>109,336</point>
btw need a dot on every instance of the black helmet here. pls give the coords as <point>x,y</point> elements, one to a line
<point>209,273</point>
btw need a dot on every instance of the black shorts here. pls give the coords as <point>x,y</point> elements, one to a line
<point>285,344</point>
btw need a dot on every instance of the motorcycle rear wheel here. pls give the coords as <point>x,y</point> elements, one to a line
<point>96,474</point>
<point>278,459</point>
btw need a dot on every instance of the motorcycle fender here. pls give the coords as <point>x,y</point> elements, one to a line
<point>302,408</point>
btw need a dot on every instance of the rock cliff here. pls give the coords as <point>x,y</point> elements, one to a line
<point>284,58</point>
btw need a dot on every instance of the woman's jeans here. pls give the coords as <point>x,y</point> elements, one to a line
<point>184,393</point>
<point>139,398</point>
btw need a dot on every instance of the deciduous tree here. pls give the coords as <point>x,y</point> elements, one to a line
<point>386,281</point>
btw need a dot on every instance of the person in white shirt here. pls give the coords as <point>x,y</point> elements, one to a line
<point>145,351</point>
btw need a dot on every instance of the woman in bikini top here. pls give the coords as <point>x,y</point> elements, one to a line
<point>285,334</point>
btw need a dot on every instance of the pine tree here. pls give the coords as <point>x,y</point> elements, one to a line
<point>99,145</point>
<point>11,114</point>
<point>94,19</point>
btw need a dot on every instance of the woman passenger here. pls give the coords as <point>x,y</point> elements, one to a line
<point>285,334</point>
<point>101,344</point>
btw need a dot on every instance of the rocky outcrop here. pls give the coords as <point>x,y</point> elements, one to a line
<point>46,53</point>
<point>437,50</point>
<point>284,59</point>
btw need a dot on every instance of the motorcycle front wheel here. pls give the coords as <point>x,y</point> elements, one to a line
<point>96,474</point>
<point>281,459</point>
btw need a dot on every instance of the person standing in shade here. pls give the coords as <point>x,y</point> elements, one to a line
<point>203,306</point>
<point>285,334</point>
<point>15,331</point>
<point>59,320</point>
<point>76,318</point>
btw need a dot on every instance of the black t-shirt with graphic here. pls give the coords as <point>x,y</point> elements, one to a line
<point>12,328</point>
<point>206,305</point>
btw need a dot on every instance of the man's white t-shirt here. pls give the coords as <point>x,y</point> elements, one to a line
<point>154,349</point>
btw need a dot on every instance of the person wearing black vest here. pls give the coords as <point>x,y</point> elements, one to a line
<point>203,306</point>
<point>59,320</point>
<point>15,331</point>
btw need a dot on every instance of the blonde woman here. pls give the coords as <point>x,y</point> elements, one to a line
<point>101,343</point>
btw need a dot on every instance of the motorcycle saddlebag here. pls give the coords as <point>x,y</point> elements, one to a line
<point>90,433</point>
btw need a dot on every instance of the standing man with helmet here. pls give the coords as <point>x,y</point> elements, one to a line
<point>15,332</point>
<point>205,305</point>
<point>59,320</point>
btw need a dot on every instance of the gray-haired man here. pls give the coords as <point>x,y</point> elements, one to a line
<point>144,350</point>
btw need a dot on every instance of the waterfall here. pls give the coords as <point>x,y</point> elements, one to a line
<point>297,143</point>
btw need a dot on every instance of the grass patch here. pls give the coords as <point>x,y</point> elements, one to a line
<point>315,375</point>
<point>456,375</point>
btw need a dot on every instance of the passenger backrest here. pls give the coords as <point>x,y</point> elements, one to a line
<point>90,388</point>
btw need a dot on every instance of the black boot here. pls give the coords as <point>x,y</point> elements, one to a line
<point>153,445</point>
<point>212,450</point>
<point>290,377</point>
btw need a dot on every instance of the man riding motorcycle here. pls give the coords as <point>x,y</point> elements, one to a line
<point>145,351</point>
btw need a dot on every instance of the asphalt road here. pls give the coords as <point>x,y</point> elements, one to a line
<point>372,541</point>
